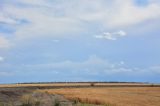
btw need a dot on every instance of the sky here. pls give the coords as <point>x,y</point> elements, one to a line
<point>79,40</point>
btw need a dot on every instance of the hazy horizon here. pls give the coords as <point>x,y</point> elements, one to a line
<point>79,40</point>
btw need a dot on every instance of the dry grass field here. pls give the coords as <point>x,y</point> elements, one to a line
<point>95,94</point>
<point>118,96</point>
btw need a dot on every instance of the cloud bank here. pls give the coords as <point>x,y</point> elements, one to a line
<point>63,18</point>
<point>94,65</point>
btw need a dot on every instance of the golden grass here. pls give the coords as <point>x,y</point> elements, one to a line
<point>119,96</point>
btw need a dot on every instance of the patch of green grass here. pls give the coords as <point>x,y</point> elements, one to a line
<point>7,104</point>
<point>83,104</point>
<point>56,102</point>
<point>108,104</point>
<point>1,104</point>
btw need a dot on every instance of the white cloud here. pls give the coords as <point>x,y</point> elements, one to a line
<point>93,65</point>
<point>127,13</point>
<point>66,18</point>
<point>55,40</point>
<point>6,19</point>
<point>43,22</point>
<point>155,69</point>
<point>115,13</point>
<point>5,74</point>
<point>33,2</point>
<point>4,43</point>
<point>120,33</point>
<point>122,63</point>
<point>1,59</point>
<point>111,36</point>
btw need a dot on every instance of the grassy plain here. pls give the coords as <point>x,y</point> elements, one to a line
<point>118,96</point>
<point>85,94</point>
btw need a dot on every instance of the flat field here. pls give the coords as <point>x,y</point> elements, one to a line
<point>104,94</point>
<point>118,96</point>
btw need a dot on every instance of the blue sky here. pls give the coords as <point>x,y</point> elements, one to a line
<point>79,40</point>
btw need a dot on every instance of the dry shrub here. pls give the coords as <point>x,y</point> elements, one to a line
<point>86,100</point>
<point>28,100</point>
<point>92,84</point>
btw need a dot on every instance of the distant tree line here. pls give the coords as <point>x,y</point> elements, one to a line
<point>79,82</point>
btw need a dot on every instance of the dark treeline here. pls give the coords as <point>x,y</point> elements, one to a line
<point>80,82</point>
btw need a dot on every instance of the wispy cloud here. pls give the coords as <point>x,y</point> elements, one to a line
<point>63,18</point>
<point>4,19</point>
<point>94,65</point>
<point>4,43</point>
<point>155,69</point>
<point>55,40</point>
<point>91,68</point>
<point>1,59</point>
<point>42,23</point>
<point>5,74</point>
<point>111,36</point>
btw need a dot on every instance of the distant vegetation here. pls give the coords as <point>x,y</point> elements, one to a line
<point>110,96</point>
<point>79,82</point>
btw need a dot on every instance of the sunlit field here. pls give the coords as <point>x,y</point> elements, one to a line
<point>77,94</point>
<point>119,96</point>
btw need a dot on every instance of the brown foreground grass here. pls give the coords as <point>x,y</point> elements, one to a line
<point>118,96</point>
